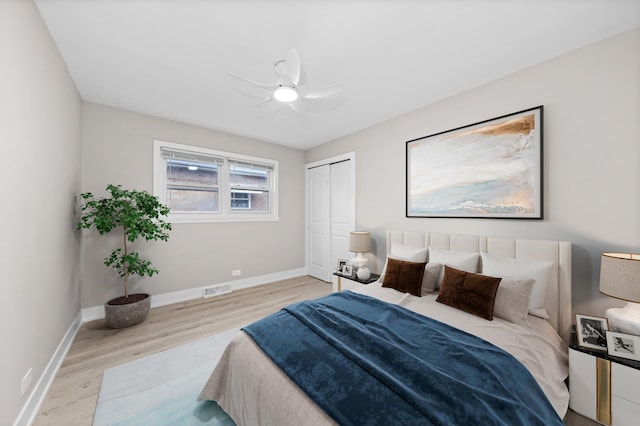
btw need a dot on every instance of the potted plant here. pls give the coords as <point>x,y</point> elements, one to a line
<point>137,214</point>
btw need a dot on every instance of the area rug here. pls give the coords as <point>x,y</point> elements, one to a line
<point>162,389</point>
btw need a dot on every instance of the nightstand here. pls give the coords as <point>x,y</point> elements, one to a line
<point>351,283</point>
<point>603,388</point>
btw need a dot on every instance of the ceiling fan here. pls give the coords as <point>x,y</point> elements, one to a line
<point>287,89</point>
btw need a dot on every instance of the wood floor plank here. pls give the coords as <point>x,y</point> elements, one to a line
<point>72,397</point>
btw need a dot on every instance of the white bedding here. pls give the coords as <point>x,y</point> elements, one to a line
<point>253,391</point>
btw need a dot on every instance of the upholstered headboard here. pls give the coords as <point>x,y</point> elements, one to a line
<point>558,303</point>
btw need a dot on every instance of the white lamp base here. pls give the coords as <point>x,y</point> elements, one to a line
<point>359,261</point>
<point>626,319</point>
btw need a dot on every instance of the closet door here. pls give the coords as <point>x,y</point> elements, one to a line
<point>342,212</point>
<point>319,222</point>
<point>331,214</point>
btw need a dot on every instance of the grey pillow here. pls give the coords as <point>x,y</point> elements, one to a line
<point>512,300</point>
<point>431,278</point>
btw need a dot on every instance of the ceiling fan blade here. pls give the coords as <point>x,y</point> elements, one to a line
<point>292,67</point>
<point>299,107</point>
<point>257,83</point>
<point>264,101</point>
<point>317,92</point>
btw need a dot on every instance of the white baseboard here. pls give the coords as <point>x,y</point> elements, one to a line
<point>97,312</point>
<point>30,409</point>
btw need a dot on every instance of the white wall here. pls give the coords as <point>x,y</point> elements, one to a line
<point>40,113</point>
<point>118,149</point>
<point>591,158</point>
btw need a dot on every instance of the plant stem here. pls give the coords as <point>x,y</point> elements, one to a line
<point>125,266</point>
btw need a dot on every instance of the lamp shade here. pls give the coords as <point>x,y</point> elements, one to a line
<point>620,276</point>
<point>359,242</point>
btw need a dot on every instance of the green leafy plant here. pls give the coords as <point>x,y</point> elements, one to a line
<point>139,215</point>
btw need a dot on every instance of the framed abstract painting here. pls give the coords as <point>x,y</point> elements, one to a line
<point>489,169</point>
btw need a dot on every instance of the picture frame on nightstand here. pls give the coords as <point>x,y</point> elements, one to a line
<point>341,265</point>
<point>591,332</point>
<point>623,345</point>
<point>347,271</point>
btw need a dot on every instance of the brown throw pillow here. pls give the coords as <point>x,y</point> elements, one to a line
<point>473,293</point>
<point>404,276</point>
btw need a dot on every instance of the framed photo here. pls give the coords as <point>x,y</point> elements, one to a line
<point>341,265</point>
<point>347,270</point>
<point>623,345</point>
<point>591,332</point>
<point>489,169</point>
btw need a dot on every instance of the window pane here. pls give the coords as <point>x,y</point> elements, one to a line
<point>192,200</point>
<point>240,201</point>
<point>192,186</point>
<point>248,175</point>
<point>250,201</point>
<point>191,173</point>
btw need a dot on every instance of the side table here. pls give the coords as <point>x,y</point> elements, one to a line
<point>603,388</point>
<point>351,283</point>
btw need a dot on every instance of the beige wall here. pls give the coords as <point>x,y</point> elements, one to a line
<point>40,113</point>
<point>591,157</point>
<point>118,149</point>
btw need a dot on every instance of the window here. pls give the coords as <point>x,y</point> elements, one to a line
<point>203,185</point>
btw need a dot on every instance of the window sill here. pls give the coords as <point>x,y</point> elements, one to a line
<point>195,218</point>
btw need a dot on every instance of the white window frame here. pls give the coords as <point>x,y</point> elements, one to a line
<point>225,214</point>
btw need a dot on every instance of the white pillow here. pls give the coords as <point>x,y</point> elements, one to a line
<point>512,268</point>
<point>464,261</point>
<point>408,253</point>
<point>512,300</point>
<point>411,254</point>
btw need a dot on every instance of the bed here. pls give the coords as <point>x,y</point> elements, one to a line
<point>253,390</point>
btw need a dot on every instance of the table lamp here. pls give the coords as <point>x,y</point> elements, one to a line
<point>620,278</point>
<point>360,243</point>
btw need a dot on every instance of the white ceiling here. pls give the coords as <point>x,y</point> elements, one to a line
<point>169,58</point>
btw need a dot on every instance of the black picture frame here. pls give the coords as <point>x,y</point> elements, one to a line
<point>347,271</point>
<point>623,345</point>
<point>592,332</point>
<point>489,169</point>
<point>341,264</point>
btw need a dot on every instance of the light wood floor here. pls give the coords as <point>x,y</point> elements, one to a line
<point>71,400</point>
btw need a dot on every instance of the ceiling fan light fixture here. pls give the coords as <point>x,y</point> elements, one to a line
<point>285,94</point>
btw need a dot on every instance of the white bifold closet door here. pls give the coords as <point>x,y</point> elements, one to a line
<point>330,217</point>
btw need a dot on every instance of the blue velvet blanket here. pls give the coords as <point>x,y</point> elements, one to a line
<point>368,362</point>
